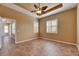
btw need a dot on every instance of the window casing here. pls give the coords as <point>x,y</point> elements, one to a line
<point>51,26</point>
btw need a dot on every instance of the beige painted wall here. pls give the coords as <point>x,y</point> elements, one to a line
<point>24,23</point>
<point>66,26</point>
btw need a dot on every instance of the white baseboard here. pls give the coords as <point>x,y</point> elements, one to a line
<point>46,39</point>
<point>25,41</point>
<point>59,41</point>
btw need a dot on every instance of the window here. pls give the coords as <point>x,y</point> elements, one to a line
<point>6,28</point>
<point>35,27</point>
<point>51,26</point>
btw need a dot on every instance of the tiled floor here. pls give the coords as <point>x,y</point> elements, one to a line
<point>37,47</point>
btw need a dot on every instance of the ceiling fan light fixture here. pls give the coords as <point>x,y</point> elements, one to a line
<point>39,12</point>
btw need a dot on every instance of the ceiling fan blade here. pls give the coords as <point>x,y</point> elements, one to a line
<point>33,11</point>
<point>53,8</point>
<point>44,7</point>
<point>35,6</point>
<point>56,7</point>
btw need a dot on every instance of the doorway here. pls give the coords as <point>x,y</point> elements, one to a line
<point>8,33</point>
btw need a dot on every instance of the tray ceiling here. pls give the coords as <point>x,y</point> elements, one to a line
<point>25,8</point>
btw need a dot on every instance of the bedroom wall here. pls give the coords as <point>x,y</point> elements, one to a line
<point>24,23</point>
<point>66,26</point>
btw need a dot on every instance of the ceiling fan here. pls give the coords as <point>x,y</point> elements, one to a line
<point>42,10</point>
<point>39,10</point>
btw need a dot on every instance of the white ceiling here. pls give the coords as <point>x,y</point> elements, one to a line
<point>65,7</point>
